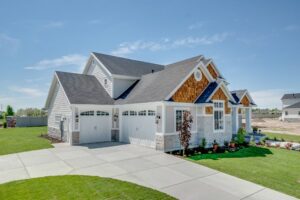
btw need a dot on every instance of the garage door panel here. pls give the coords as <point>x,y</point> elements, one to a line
<point>139,130</point>
<point>94,129</point>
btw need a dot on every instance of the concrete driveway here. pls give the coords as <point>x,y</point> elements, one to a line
<point>144,166</point>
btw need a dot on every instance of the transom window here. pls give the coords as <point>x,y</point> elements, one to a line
<point>179,119</point>
<point>218,115</point>
<point>102,113</point>
<point>143,113</point>
<point>87,113</point>
<point>132,113</point>
<point>151,112</point>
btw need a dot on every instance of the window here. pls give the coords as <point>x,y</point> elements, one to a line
<point>125,113</point>
<point>105,82</point>
<point>132,113</point>
<point>57,119</point>
<point>286,113</point>
<point>218,116</point>
<point>87,113</point>
<point>151,113</point>
<point>143,113</point>
<point>101,113</point>
<point>198,75</point>
<point>299,113</point>
<point>179,119</point>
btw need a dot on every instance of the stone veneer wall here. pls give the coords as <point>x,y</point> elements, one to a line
<point>54,133</point>
<point>115,136</point>
<point>75,137</point>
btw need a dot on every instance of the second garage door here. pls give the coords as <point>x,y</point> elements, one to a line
<point>94,127</point>
<point>138,127</point>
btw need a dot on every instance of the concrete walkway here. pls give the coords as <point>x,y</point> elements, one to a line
<point>144,166</point>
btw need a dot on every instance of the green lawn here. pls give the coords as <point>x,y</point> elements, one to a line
<point>14,140</point>
<point>278,169</point>
<point>76,187</point>
<point>287,137</point>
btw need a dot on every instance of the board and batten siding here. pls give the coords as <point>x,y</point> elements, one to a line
<point>59,106</point>
<point>101,75</point>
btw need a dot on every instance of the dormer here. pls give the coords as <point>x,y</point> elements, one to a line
<point>117,74</point>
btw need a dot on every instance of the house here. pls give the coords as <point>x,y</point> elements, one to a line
<point>291,107</point>
<point>119,99</point>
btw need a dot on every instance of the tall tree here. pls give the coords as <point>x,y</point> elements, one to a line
<point>185,131</point>
<point>10,111</point>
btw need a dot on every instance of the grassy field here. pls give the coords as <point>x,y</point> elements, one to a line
<point>286,137</point>
<point>76,187</point>
<point>14,140</point>
<point>277,169</point>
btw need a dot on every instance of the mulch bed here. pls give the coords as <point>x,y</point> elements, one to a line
<point>51,139</point>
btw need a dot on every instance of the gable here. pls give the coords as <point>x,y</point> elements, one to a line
<point>212,71</point>
<point>190,89</point>
<point>220,95</point>
<point>245,101</point>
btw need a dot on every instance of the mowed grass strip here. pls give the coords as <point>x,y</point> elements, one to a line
<point>286,137</point>
<point>76,187</point>
<point>278,169</point>
<point>15,140</point>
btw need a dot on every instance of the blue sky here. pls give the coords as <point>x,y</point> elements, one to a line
<point>254,43</point>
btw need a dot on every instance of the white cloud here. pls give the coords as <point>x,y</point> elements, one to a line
<point>56,24</point>
<point>29,92</point>
<point>269,98</point>
<point>76,60</point>
<point>292,27</point>
<point>126,48</point>
<point>8,43</point>
<point>195,26</point>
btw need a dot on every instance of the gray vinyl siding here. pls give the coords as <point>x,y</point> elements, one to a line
<point>120,86</point>
<point>101,75</point>
<point>59,106</point>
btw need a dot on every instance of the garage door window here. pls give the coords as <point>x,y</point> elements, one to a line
<point>102,113</point>
<point>133,113</point>
<point>151,113</point>
<point>87,113</point>
<point>143,113</point>
<point>125,113</point>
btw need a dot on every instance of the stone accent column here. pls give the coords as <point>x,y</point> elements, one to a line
<point>248,120</point>
<point>235,120</point>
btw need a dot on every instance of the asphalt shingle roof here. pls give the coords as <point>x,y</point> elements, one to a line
<point>128,67</point>
<point>296,105</point>
<point>157,86</point>
<point>83,89</point>
<point>291,96</point>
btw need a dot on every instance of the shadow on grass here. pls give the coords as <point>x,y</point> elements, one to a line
<point>242,153</point>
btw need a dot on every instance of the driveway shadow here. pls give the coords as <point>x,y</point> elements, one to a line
<point>242,153</point>
<point>102,145</point>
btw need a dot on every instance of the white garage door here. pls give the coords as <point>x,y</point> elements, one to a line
<point>94,127</point>
<point>139,127</point>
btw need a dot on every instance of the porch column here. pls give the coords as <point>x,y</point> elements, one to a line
<point>248,120</point>
<point>235,119</point>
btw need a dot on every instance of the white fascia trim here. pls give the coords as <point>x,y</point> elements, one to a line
<point>216,68</point>
<point>125,77</point>
<point>179,85</point>
<point>100,63</point>
<point>63,89</point>
<point>226,92</point>
<point>50,92</point>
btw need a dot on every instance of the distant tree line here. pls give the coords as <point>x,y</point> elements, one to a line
<point>31,112</point>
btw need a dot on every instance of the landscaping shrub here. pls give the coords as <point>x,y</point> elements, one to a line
<point>240,138</point>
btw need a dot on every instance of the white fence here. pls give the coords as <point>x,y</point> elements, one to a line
<point>31,121</point>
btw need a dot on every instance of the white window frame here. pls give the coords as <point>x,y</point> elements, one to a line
<point>142,113</point>
<point>218,109</point>
<point>182,111</point>
<point>151,113</point>
<point>102,113</point>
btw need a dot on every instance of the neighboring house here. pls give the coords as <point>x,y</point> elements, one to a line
<point>119,99</point>
<point>291,107</point>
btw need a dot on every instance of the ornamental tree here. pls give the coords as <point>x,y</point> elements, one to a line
<point>185,131</point>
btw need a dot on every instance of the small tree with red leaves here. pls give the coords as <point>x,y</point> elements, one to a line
<point>185,131</point>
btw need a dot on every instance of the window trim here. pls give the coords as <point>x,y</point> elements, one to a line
<point>179,109</point>
<point>142,113</point>
<point>218,109</point>
<point>153,113</point>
